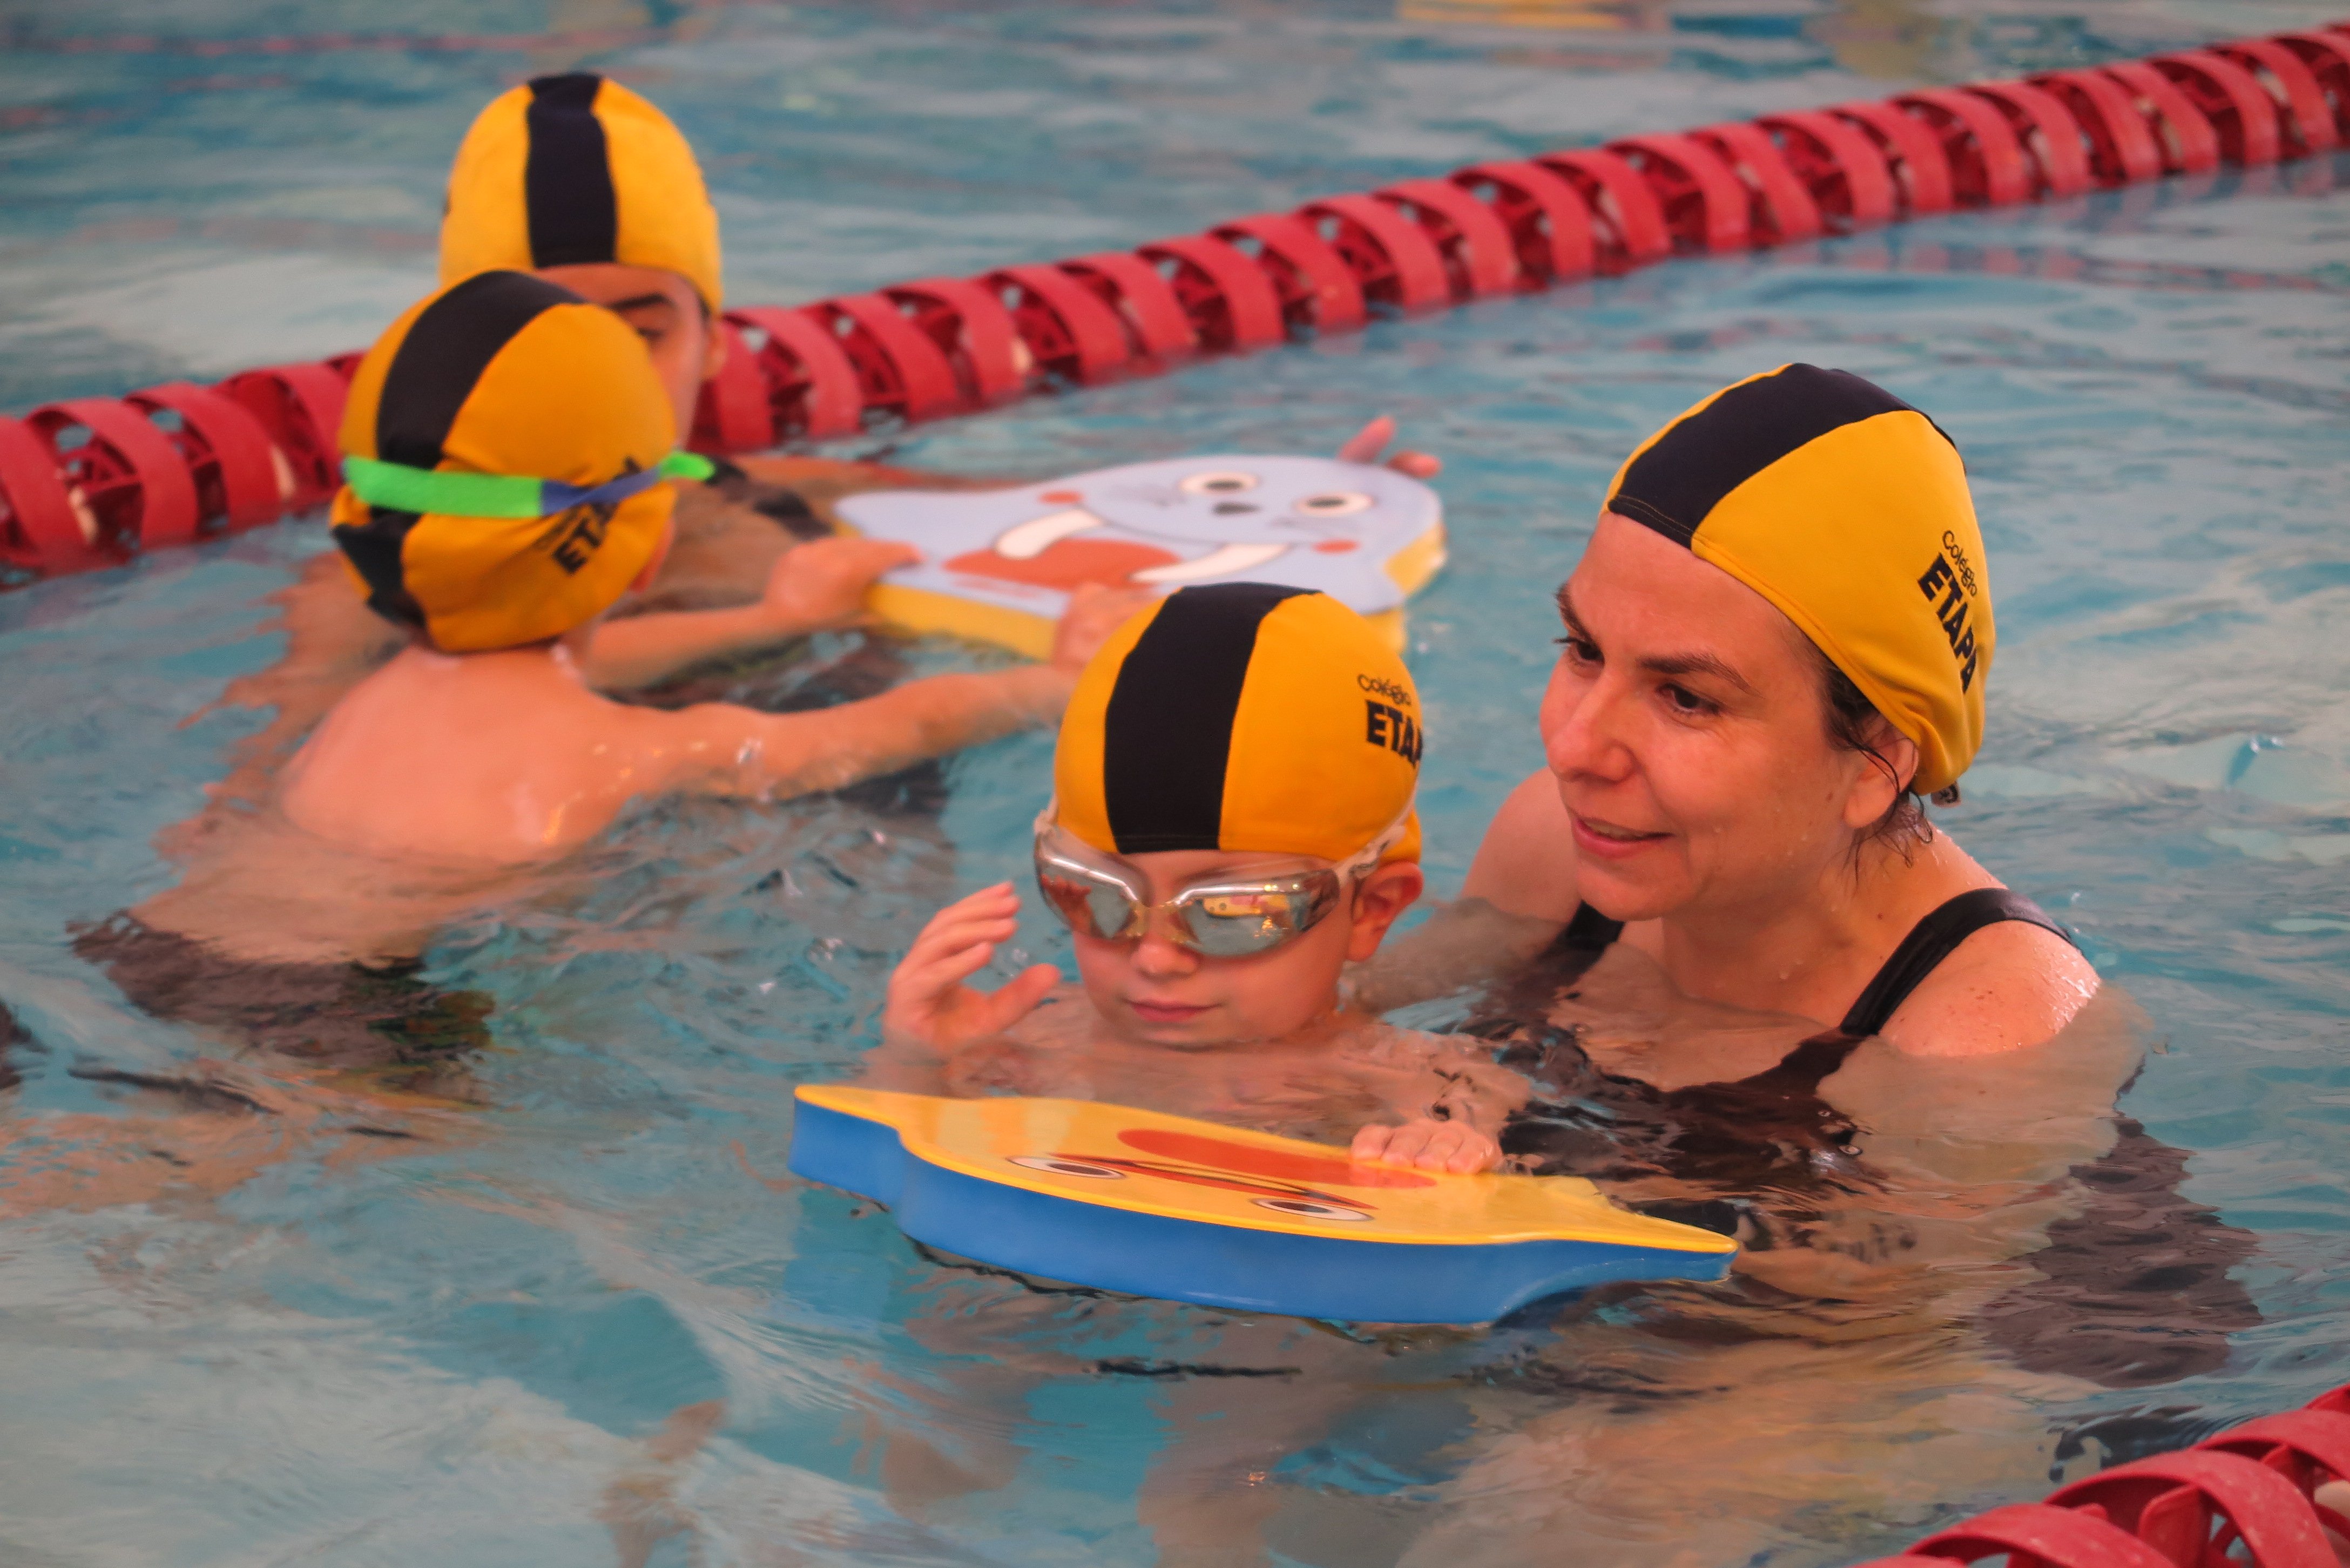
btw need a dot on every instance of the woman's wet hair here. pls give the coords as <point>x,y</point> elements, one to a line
<point>1854,724</point>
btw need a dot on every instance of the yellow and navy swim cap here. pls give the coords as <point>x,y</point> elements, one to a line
<point>504,446</point>
<point>1848,510</point>
<point>1245,718</point>
<point>572,169</point>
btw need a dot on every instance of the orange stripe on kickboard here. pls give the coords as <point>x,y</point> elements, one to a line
<point>1066,563</point>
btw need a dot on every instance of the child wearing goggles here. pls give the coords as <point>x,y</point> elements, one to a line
<point>1233,826</point>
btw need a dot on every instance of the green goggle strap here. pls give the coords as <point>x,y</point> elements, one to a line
<point>405,489</point>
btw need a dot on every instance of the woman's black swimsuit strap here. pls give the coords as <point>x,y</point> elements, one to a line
<point>1931,940</point>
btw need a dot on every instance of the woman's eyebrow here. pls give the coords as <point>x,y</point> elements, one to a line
<point>640,302</point>
<point>1697,664</point>
<point>1663,663</point>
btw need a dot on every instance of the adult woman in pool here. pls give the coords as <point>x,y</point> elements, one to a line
<point>1775,644</point>
<point>1782,1000</point>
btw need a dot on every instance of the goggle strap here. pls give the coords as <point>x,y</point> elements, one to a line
<point>504,496</point>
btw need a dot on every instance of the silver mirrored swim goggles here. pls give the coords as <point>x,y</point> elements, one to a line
<point>1101,896</point>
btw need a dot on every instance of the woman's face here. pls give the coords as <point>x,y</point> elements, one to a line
<point>1686,727</point>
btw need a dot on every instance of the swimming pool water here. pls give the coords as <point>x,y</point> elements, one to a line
<point>325,1348</point>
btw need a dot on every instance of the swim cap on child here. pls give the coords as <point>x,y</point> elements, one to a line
<point>572,169</point>
<point>504,374</point>
<point>1848,510</point>
<point>1246,718</point>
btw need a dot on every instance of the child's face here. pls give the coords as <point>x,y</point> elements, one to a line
<point>1153,991</point>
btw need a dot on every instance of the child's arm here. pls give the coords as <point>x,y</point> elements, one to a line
<point>813,587</point>
<point>722,749</point>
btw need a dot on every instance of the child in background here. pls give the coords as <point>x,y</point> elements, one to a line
<point>588,185</point>
<point>508,449</point>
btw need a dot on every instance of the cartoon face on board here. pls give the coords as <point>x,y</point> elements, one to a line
<point>1347,529</point>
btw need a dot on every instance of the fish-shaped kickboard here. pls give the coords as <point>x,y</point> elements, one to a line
<point>998,565</point>
<point>1153,1205</point>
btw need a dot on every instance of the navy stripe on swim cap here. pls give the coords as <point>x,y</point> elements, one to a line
<point>1680,478</point>
<point>567,182</point>
<point>448,346</point>
<point>1168,728</point>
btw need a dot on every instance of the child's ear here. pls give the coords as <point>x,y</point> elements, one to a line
<point>1379,899</point>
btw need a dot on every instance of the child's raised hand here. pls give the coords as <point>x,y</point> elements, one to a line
<point>1428,1144</point>
<point>1093,613</point>
<point>1365,445</point>
<point>822,583</point>
<point>929,1002</point>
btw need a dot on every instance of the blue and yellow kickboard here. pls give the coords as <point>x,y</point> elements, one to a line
<point>1153,1205</point>
<point>999,565</point>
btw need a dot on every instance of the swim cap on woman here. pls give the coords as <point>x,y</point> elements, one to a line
<point>1848,510</point>
<point>1246,718</point>
<point>507,375</point>
<point>572,169</point>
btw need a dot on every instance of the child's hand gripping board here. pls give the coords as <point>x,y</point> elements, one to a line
<point>1155,1204</point>
<point>999,565</point>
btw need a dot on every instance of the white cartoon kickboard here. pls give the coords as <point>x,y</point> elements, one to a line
<point>998,565</point>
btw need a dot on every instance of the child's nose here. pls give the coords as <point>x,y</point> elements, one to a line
<point>1157,954</point>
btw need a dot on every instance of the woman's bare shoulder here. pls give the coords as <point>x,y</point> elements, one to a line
<point>1526,863</point>
<point>2007,986</point>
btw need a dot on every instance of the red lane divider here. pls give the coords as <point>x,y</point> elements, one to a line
<point>94,481</point>
<point>226,451</point>
<point>1782,208</point>
<point>1846,174</point>
<point>2122,149</point>
<point>1549,226</point>
<point>1153,312</point>
<point>2244,1499</point>
<point>970,323</point>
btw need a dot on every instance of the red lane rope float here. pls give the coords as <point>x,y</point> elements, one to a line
<point>1228,299</point>
<point>1625,211</point>
<point>1066,326</point>
<point>972,327</point>
<point>1985,156</point>
<point>1548,224</point>
<point>301,407</point>
<point>1479,256</point>
<point>2122,147</point>
<point>2038,1533</point>
<point>1781,209</point>
<point>2057,146</point>
<point>1144,299</point>
<point>1849,179</point>
<point>811,384</point>
<point>1318,288</point>
<point>2327,55</point>
<point>898,368</point>
<point>1913,148</point>
<point>2191,144</point>
<point>228,454</point>
<point>1705,207</point>
<point>39,529</point>
<point>2246,1498</point>
<point>2238,106</point>
<point>1393,259</point>
<point>2308,117</point>
<point>94,481</point>
<point>121,470</point>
